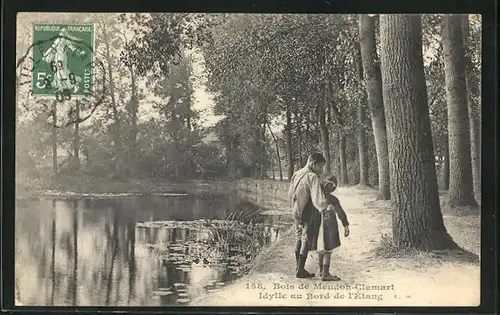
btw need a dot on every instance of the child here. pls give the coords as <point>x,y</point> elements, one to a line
<point>328,236</point>
<point>308,201</point>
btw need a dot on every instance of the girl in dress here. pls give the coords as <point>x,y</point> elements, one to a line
<point>328,236</point>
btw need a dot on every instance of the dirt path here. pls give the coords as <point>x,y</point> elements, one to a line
<point>419,280</point>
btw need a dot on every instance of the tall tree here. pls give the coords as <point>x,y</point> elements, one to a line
<point>322,109</point>
<point>117,126</point>
<point>54,138</point>
<point>132,108</point>
<point>288,132</point>
<point>298,122</point>
<point>474,112</point>
<point>461,191</point>
<point>446,164</point>
<point>360,132</point>
<point>372,75</point>
<point>76,137</point>
<point>278,156</point>
<point>344,180</point>
<point>325,139</point>
<point>416,213</point>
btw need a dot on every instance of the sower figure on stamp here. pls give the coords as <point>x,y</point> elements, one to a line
<point>308,201</point>
<point>57,57</point>
<point>328,236</point>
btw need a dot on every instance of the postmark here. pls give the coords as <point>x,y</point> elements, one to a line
<point>61,74</point>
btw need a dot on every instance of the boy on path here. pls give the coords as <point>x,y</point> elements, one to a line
<point>307,199</point>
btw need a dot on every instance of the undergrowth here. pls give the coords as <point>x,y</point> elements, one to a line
<point>387,248</point>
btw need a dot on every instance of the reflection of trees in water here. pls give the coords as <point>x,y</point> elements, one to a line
<point>53,264</point>
<point>131,260</point>
<point>75,255</point>
<point>58,268</point>
<point>114,251</point>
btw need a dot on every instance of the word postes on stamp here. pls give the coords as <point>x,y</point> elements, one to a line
<point>62,56</point>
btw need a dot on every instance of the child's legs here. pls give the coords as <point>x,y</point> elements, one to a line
<point>325,274</point>
<point>321,256</point>
<point>327,257</point>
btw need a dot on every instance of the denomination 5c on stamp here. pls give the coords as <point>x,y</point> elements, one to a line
<point>63,56</point>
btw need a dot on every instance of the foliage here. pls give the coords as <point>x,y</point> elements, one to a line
<point>258,67</point>
<point>160,39</point>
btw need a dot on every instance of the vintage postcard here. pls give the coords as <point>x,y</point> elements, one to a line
<point>203,159</point>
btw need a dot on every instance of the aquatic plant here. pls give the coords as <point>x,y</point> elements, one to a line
<point>232,243</point>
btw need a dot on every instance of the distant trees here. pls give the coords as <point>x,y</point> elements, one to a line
<point>286,86</point>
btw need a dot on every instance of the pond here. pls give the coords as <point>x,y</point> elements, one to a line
<point>87,251</point>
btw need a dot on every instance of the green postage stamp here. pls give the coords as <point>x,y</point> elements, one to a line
<point>62,61</point>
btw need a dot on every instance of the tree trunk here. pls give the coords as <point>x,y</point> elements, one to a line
<point>474,112</point>
<point>361,139</point>
<point>417,221</point>
<point>272,169</point>
<point>176,125</point>
<point>54,138</point>
<point>372,75</point>
<point>325,143</point>
<point>231,158</point>
<point>446,164</point>
<point>288,132</point>
<point>298,122</point>
<point>363,159</point>
<point>262,151</point>
<point>117,126</point>
<point>461,192</point>
<point>76,138</point>
<point>344,180</point>
<point>133,109</point>
<point>323,101</point>
<point>277,152</point>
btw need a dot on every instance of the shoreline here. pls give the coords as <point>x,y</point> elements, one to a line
<point>119,188</point>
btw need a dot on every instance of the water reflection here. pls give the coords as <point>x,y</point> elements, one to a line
<point>90,252</point>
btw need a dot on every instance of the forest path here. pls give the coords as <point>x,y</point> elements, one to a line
<point>419,279</point>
